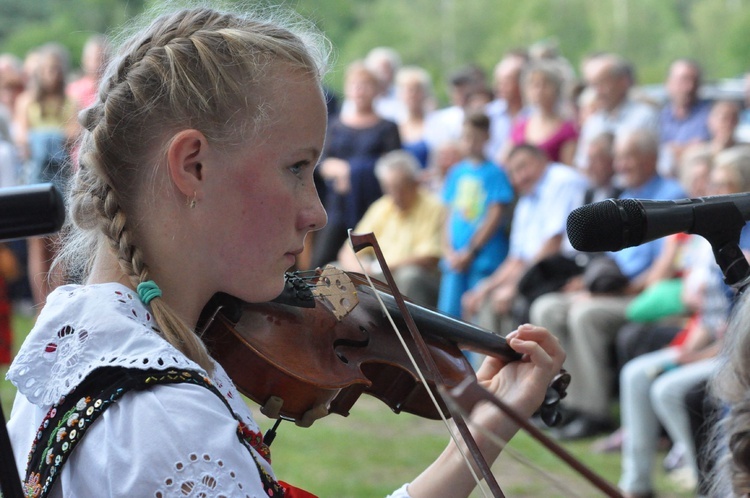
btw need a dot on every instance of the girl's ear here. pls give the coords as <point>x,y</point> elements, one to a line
<point>187,151</point>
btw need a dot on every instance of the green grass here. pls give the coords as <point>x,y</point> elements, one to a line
<point>373,451</point>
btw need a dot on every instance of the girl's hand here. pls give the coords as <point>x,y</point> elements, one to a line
<point>523,384</point>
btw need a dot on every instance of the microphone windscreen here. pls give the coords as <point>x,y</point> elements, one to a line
<point>608,225</point>
<point>30,210</point>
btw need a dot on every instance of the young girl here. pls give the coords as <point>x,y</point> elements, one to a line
<point>195,176</point>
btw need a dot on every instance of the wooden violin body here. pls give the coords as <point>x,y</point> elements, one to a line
<point>317,348</point>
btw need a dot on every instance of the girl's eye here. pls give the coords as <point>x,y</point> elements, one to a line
<point>298,168</point>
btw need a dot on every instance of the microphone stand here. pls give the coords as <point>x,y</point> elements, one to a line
<point>27,211</point>
<point>721,225</point>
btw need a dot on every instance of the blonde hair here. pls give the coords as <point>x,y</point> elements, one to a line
<point>194,68</point>
<point>358,68</point>
<point>736,160</point>
<point>409,74</point>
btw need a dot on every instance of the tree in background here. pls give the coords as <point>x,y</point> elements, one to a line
<point>442,35</point>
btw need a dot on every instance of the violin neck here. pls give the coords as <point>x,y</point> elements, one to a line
<point>439,325</point>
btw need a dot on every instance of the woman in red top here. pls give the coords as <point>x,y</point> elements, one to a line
<point>545,126</point>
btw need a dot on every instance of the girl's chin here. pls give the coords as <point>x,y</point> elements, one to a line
<point>262,291</point>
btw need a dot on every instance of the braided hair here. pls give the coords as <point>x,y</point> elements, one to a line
<point>194,68</point>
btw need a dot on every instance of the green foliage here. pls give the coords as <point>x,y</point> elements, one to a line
<point>442,35</point>
<point>31,23</point>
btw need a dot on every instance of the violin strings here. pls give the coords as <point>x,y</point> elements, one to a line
<point>312,275</point>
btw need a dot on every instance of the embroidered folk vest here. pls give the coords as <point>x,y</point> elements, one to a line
<point>67,422</point>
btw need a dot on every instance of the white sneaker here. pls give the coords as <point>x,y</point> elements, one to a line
<point>684,478</point>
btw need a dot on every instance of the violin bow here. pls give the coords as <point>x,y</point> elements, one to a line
<point>468,393</point>
<point>361,241</point>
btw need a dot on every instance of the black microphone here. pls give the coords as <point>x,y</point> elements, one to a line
<point>30,210</point>
<point>615,224</point>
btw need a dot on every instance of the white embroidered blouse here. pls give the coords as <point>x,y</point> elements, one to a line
<point>172,440</point>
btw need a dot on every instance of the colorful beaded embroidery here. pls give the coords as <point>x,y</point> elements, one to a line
<point>66,423</point>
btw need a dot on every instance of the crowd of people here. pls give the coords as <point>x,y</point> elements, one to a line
<point>469,202</point>
<point>510,158</point>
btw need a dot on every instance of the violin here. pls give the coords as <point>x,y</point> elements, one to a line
<point>325,341</point>
<point>329,338</point>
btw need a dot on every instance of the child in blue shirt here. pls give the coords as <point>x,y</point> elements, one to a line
<point>477,194</point>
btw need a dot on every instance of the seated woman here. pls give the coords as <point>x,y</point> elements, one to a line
<point>545,126</point>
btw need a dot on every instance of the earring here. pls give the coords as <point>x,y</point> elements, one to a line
<point>191,202</point>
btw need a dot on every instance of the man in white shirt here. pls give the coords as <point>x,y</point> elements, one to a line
<point>547,193</point>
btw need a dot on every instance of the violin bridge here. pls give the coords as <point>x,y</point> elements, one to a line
<point>336,289</point>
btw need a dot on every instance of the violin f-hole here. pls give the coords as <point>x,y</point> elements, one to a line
<point>350,343</point>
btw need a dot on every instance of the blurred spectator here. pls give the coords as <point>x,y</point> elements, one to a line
<point>47,127</point>
<point>478,100</point>
<point>94,59</point>
<point>611,77</point>
<point>601,171</point>
<point>587,322</point>
<point>11,80</point>
<point>653,386</point>
<point>545,126</point>
<point>414,89</point>
<point>384,63</point>
<point>11,86</point>
<point>658,313</point>
<point>546,192</point>
<point>408,223</point>
<point>562,271</point>
<point>355,140</point>
<point>508,102</point>
<point>722,124</point>
<point>477,193</point>
<point>442,159</point>
<point>447,123</point>
<point>10,271</point>
<point>548,52</point>
<point>684,118</point>
<point>742,133</point>
<point>46,117</point>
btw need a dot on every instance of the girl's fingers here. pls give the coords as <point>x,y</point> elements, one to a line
<point>527,337</point>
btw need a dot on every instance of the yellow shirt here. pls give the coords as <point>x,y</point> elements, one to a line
<point>405,235</point>
<point>54,118</point>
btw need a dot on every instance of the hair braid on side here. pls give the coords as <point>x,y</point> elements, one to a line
<point>130,257</point>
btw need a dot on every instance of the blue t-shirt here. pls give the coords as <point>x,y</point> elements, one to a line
<point>469,190</point>
<point>692,127</point>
